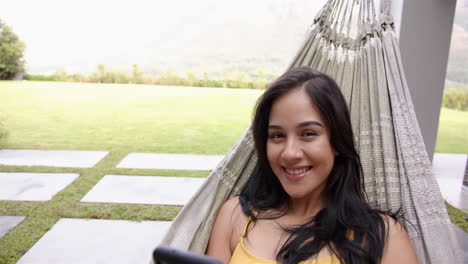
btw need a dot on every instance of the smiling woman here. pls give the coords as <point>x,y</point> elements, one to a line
<point>298,146</point>
<point>304,202</point>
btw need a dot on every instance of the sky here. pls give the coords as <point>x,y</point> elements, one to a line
<point>78,35</point>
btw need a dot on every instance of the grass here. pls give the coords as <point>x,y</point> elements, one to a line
<point>458,217</point>
<point>131,118</point>
<point>452,135</point>
<point>165,119</point>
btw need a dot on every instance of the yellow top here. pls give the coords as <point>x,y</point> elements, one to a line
<point>242,256</point>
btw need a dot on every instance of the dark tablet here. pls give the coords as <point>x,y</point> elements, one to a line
<point>167,255</point>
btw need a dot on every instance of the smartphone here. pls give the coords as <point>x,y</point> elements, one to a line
<point>168,255</point>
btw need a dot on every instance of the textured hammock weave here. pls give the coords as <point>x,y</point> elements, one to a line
<point>365,61</point>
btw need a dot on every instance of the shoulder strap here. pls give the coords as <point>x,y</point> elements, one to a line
<point>249,224</point>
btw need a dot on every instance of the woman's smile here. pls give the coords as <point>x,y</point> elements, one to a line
<point>296,174</point>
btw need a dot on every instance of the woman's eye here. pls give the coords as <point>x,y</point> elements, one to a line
<point>276,135</point>
<point>309,133</point>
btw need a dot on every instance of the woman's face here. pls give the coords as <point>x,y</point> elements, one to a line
<point>298,146</point>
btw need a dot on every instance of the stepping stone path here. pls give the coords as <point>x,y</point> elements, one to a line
<point>97,241</point>
<point>51,158</point>
<point>462,238</point>
<point>143,190</point>
<point>449,170</point>
<point>170,161</point>
<point>119,241</point>
<point>8,222</point>
<point>33,186</point>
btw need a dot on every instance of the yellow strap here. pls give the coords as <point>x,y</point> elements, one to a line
<point>249,223</point>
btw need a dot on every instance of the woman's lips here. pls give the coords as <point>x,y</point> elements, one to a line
<point>296,174</point>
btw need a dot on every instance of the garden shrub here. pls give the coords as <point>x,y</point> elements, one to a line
<point>103,75</point>
<point>456,98</point>
<point>39,77</point>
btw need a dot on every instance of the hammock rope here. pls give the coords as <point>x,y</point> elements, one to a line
<point>365,61</point>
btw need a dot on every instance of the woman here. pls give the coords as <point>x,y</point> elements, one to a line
<point>305,201</point>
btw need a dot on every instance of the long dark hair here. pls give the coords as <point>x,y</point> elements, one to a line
<point>346,208</point>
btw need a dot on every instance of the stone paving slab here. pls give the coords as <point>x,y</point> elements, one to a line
<point>143,190</point>
<point>462,238</point>
<point>97,241</point>
<point>449,170</point>
<point>33,186</point>
<point>449,165</point>
<point>51,158</point>
<point>9,222</point>
<point>170,161</point>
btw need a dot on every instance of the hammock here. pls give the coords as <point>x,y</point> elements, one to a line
<point>360,51</point>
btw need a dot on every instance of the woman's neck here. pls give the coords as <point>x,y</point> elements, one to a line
<point>305,207</point>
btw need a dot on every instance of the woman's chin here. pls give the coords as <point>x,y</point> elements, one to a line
<point>296,194</point>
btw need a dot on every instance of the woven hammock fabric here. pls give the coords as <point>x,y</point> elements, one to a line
<point>361,53</point>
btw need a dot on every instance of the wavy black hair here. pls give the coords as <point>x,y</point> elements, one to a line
<point>346,209</point>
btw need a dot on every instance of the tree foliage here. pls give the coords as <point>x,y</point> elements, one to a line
<point>456,98</point>
<point>169,77</point>
<point>11,53</point>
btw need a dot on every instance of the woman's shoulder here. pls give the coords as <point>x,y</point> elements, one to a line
<point>227,230</point>
<point>231,205</point>
<point>231,210</point>
<point>392,226</point>
<point>398,246</point>
<point>232,215</point>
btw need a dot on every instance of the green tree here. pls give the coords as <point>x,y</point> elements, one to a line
<point>240,81</point>
<point>192,80</point>
<point>205,79</point>
<point>101,73</point>
<point>260,81</point>
<point>137,75</point>
<point>11,53</point>
<point>170,77</point>
<point>60,74</point>
<point>115,76</point>
<point>226,78</point>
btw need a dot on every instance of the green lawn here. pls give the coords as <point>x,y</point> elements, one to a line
<point>41,115</point>
<point>52,115</point>
<point>130,118</point>
<point>452,135</point>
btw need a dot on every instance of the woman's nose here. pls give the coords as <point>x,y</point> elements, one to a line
<point>292,151</point>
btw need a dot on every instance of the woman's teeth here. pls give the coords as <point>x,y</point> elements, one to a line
<point>298,171</point>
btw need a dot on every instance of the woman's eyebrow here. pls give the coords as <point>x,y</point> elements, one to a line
<point>303,124</point>
<point>274,127</point>
<point>309,123</point>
